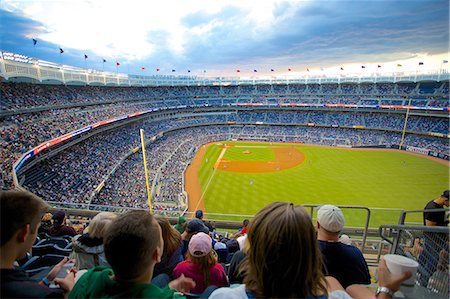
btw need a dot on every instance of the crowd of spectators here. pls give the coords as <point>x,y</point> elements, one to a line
<point>138,255</point>
<point>72,175</point>
<point>17,96</point>
<point>21,132</point>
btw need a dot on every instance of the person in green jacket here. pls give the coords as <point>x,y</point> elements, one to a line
<point>180,226</point>
<point>133,244</point>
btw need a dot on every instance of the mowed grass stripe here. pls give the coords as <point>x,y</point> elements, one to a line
<point>332,175</point>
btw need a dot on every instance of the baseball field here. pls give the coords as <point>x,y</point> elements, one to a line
<point>242,177</point>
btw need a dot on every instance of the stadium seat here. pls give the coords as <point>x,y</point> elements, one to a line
<point>61,251</point>
<point>60,241</point>
<point>39,250</point>
<point>47,260</point>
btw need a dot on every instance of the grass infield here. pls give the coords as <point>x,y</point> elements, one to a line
<point>372,178</point>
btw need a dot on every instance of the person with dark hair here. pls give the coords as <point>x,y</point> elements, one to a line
<point>21,214</point>
<point>172,248</point>
<point>59,227</point>
<point>133,244</point>
<point>199,215</point>
<point>337,256</point>
<point>181,224</point>
<point>192,227</point>
<point>433,243</point>
<point>202,265</point>
<point>283,259</point>
<point>437,218</point>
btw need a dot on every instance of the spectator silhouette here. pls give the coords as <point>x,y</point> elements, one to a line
<point>344,262</point>
<point>201,264</point>
<point>59,227</point>
<point>133,245</point>
<point>87,248</point>
<point>21,214</point>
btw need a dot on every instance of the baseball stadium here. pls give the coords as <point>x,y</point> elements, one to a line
<point>375,145</point>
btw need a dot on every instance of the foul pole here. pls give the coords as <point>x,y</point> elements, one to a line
<point>146,171</point>
<point>404,126</point>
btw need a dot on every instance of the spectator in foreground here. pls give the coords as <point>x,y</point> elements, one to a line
<point>201,265</point>
<point>180,226</point>
<point>21,214</point>
<point>46,223</point>
<point>133,245</point>
<point>243,230</point>
<point>193,226</point>
<point>274,270</point>
<point>344,262</point>
<point>199,215</point>
<point>59,227</point>
<point>433,242</point>
<point>172,248</point>
<point>283,259</point>
<point>88,247</point>
<point>436,218</point>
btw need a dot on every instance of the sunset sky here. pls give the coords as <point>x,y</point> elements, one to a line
<point>223,36</point>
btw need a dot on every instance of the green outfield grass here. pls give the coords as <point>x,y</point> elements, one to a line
<point>376,179</point>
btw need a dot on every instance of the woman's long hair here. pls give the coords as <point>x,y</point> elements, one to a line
<point>283,258</point>
<point>171,237</point>
<point>205,262</point>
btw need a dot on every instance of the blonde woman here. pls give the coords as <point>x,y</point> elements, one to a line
<point>87,248</point>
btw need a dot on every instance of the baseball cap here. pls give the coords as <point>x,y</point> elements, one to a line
<point>330,218</point>
<point>196,225</point>
<point>199,214</point>
<point>200,245</point>
<point>445,194</point>
<point>58,217</point>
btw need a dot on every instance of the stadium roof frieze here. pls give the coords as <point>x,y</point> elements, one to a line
<point>27,69</point>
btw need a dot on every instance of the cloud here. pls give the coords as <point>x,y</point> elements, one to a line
<point>227,35</point>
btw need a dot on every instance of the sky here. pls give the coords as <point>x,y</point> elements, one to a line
<point>219,37</point>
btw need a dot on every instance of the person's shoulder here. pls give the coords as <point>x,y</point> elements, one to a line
<point>16,284</point>
<point>152,291</point>
<point>233,292</point>
<point>431,205</point>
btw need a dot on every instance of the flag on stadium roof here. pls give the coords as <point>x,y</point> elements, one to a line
<point>173,71</point>
<point>61,51</point>
<point>379,66</point>
<point>117,64</point>
<point>420,63</point>
<point>342,68</point>
<point>85,56</point>
<point>255,71</point>
<point>104,60</point>
<point>398,64</point>
<point>189,71</point>
<point>238,71</point>
<point>444,61</point>
<point>157,69</point>
<point>272,70</point>
<point>363,66</point>
<point>34,41</point>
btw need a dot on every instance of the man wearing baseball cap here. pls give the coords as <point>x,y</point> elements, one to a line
<point>436,218</point>
<point>344,262</point>
<point>433,242</point>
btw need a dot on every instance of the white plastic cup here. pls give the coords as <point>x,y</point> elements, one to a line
<point>398,264</point>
